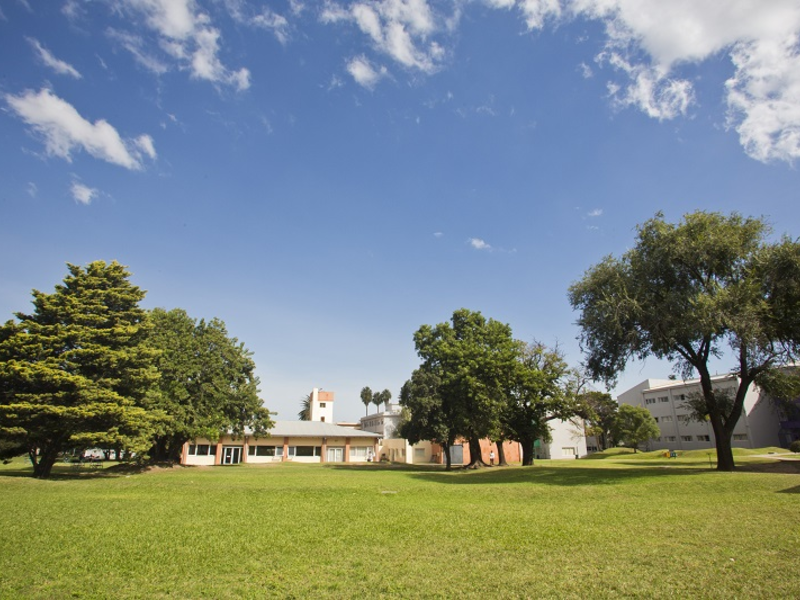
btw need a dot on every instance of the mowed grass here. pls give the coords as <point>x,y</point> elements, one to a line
<point>622,527</point>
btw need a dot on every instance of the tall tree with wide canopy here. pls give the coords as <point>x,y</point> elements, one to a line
<point>709,287</point>
<point>76,372</point>
<point>543,388</point>
<point>475,360</point>
<point>208,383</point>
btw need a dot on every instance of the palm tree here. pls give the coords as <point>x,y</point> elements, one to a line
<point>305,412</point>
<point>381,397</point>
<point>366,397</point>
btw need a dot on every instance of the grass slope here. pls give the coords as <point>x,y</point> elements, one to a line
<point>620,527</point>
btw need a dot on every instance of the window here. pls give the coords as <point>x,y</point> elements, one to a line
<point>202,449</point>
<point>663,398</point>
<point>681,397</point>
<point>322,405</point>
<point>568,451</point>
<point>322,419</point>
<point>669,438</point>
<point>683,418</point>
<point>655,419</point>
<point>358,453</point>
<point>306,450</point>
<point>686,438</point>
<point>419,453</point>
<point>261,451</point>
<point>649,400</point>
<point>703,438</point>
<point>666,419</point>
<point>739,437</point>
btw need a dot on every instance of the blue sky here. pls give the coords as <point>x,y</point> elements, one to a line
<point>328,176</point>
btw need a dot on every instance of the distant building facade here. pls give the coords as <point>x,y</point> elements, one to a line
<point>760,425</point>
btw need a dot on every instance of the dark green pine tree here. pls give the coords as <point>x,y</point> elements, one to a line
<point>75,372</point>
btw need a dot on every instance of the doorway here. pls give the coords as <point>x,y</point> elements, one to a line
<point>231,455</point>
<point>335,455</point>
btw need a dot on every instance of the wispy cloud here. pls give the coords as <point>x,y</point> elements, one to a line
<point>83,194</point>
<point>32,189</point>
<point>64,130</point>
<point>187,36</point>
<point>47,58</point>
<point>400,29</point>
<point>595,213</point>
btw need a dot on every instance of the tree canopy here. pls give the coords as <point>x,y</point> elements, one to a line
<point>76,372</point>
<point>709,287</point>
<point>476,381</point>
<point>633,426</point>
<point>207,385</point>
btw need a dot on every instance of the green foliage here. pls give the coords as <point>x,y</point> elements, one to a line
<point>427,414</point>
<point>76,372</point>
<point>474,360</point>
<point>542,388</point>
<point>691,292</point>
<point>305,408</point>
<point>634,425</point>
<point>208,383</point>
<point>366,397</point>
<point>601,410</point>
<point>795,446</point>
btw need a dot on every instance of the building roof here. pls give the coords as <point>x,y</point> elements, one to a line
<point>316,429</point>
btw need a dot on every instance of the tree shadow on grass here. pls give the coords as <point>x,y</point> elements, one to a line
<point>547,475</point>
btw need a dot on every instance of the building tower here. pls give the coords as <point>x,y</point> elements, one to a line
<point>321,406</point>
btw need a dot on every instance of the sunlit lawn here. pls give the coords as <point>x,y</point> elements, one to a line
<point>625,526</point>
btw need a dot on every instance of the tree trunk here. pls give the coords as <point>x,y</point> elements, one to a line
<point>527,452</point>
<point>723,442</point>
<point>475,455</point>
<point>447,459</point>
<point>501,454</point>
<point>44,464</point>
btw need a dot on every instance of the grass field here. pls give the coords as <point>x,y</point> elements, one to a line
<point>625,526</point>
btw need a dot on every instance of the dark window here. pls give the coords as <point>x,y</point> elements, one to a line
<point>308,451</point>
<point>265,450</point>
<point>192,449</point>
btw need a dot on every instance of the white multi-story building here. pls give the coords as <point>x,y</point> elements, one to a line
<point>666,400</point>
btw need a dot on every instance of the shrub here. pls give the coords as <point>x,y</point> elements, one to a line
<point>795,446</point>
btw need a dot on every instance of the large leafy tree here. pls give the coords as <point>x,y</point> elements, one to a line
<point>208,383</point>
<point>709,287</point>
<point>633,426</point>
<point>427,414</point>
<point>76,372</point>
<point>543,388</point>
<point>601,410</point>
<point>474,360</point>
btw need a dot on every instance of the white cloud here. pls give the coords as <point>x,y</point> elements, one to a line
<point>83,193</point>
<point>650,41</point>
<point>59,66</point>
<point>32,189</point>
<point>136,46</point>
<point>364,73</point>
<point>186,34</point>
<point>438,234</point>
<point>595,213</point>
<point>273,22</point>
<point>398,28</point>
<point>64,130</point>
<point>478,244</point>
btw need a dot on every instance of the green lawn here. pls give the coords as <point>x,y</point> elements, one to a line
<point>624,526</point>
